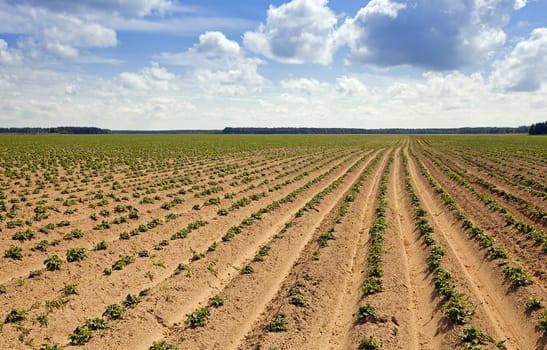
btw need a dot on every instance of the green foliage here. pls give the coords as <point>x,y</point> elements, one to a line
<point>262,253</point>
<point>198,318</point>
<point>162,345</point>
<point>216,301</point>
<point>26,235</point>
<point>212,247</point>
<point>143,253</point>
<point>497,253</point>
<point>41,246</point>
<point>369,343</point>
<point>196,256</point>
<point>474,336</point>
<point>131,301</point>
<point>278,323</point>
<point>16,316</point>
<point>69,289</point>
<point>373,285</point>
<point>323,239</point>
<point>42,319</point>
<point>74,234</point>
<point>35,273</point>
<point>14,252</point>
<point>232,231</point>
<point>122,262</point>
<point>366,312</point>
<point>182,267</point>
<point>76,254</point>
<point>457,310</point>
<point>542,324</point>
<point>80,335</point>
<point>113,312</point>
<point>96,324</point>
<point>247,269</point>
<point>53,263</point>
<point>434,258</point>
<point>534,303</point>
<point>103,245</point>
<point>517,276</point>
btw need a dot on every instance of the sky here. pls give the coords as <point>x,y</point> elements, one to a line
<point>188,64</point>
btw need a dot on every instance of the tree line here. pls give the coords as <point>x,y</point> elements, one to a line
<point>534,129</point>
<point>467,130</point>
<point>538,129</point>
<point>56,130</point>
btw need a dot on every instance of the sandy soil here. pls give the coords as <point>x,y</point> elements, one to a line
<point>327,280</point>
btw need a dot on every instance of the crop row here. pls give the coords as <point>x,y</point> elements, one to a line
<point>200,317</point>
<point>124,260</point>
<point>374,272</point>
<point>528,230</point>
<point>515,275</point>
<point>455,305</point>
<point>534,212</point>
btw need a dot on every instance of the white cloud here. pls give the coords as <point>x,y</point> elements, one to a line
<point>294,99</point>
<point>221,66</point>
<point>519,4</point>
<point>299,31</point>
<point>350,86</point>
<point>381,7</point>
<point>48,98</point>
<point>148,78</point>
<point>240,79</point>
<point>213,49</point>
<point>215,44</point>
<point>49,34</point>
<point>74,32</point>
<point>302,85</point>
<point>8,56</point>
<point>525,67</point>
<point>439,35</point>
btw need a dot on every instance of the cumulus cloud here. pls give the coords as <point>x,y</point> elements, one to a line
<point>148,78</point>
<point>213,48</point>
<point>519,4</point>
<point>438,35</point>
<point>302,85</point>
<point>220,65</point>
<point>525,67</point>
<point>350,86</point>
<point>241,79</point>
<point>47,34</point>
<point>8,56</point>
<point>215,44</point>
<point>300,31</point>
<point>74,32</point>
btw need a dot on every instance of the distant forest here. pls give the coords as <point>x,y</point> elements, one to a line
<point>56,130</point>
<point>534,129</point>
<point>479,130</point>
<point>538,129</point>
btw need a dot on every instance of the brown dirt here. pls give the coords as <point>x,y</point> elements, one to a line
<point>524,251</point>
<point>500,315</point>
<point>410,314</point>
<point>313,325</point>
<point>107,290</point>
<point>180,295</point>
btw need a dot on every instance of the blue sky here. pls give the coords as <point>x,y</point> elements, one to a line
<point>175,64</point>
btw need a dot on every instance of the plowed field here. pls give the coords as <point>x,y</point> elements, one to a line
<point>273,242</point>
